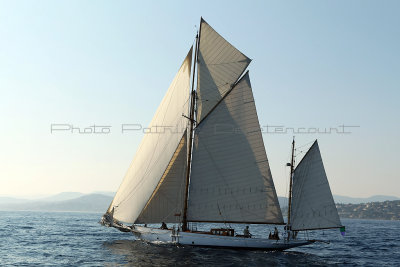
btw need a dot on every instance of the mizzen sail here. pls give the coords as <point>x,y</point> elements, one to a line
<point>156,150</point>
<point>230,178</point>
<point>312,201</point>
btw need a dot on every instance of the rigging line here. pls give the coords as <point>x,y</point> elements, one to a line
<point>303,151</point>
<point>220,213</point>
<point>305,144</point>
<point>299,153</point>
<point>168,215</point>
<point>306,153</point>
<point>186,103</point>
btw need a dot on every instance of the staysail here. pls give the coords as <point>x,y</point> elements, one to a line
<point>230,178</point>
<point>157,149</point>
<point>313,206</point>
<point>166,202</point>
<point>219,66</point>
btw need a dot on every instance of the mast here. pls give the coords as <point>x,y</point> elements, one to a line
<point>291,183</point>
<point>190,144</point>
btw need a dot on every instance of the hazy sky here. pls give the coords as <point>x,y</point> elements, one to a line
<point>316,64</point>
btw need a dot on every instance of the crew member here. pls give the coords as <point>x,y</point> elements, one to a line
<point>163,226</point>
<point>246,232</point>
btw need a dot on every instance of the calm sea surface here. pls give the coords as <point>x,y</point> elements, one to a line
<point>76,239</point>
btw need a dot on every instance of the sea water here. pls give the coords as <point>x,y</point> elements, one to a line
<point>77,239</point>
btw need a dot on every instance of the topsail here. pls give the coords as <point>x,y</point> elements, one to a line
<point>220,65</point>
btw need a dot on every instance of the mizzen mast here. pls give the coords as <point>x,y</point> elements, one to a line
<point>291,184</point>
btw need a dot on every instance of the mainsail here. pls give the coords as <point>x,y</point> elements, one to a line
<point>156,151</point>
<point>231,180</point>
<point>312,202</point>
<point>219,66</point>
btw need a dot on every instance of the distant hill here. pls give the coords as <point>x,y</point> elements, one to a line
<point>85,203</point>
<point>353,200</point>
<point>386,210</point>
<point>99,202</point>
<point>106,193</point>
<point>283,201</point>
<point>12,200</point>
<point>375,207</point>
<point>62,196</point>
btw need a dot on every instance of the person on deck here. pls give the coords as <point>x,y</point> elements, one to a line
<point>276,234</point>
<point>163,226</point>
<point>246,232</point>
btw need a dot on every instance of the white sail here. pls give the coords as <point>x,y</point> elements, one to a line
<point>219,66</point>
<point>312,202</point>
<point>230,177</point>
<point>156,149</point>
<point>166,202</point>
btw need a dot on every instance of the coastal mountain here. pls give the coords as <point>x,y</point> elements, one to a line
<point>353,200</point>
<point>57,197</point>
<point>61,202</point>
<point>12,200</point>
<point>374,207</point>
<point>283,201</point>
<point>386,210</point>
<point>62,196</point>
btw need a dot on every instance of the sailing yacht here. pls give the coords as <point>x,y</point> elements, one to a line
<point>203,160</point>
